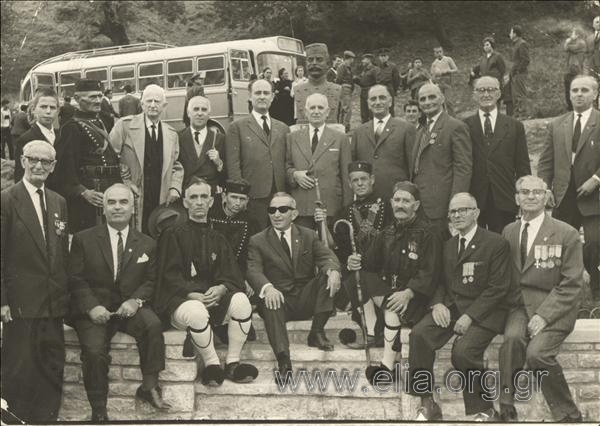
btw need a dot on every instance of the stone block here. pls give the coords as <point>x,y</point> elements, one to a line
<point>72,373</point>
<point>567,347</point>
<point>180,396</point>
<point>125,357</point>
<point>580,376</point>
<point>589,360</point>
<point>179,371</point>
<point>132,373</point>
<point>74,409</point>
<point>73,355</point>
<point>174,352</point>
<point>114,372</point>
<point>590,411</point>
<point>122,408</point>
<point>567,360</point>
<point>589,392</point>
<point>126,389</point>
<point>74,392</point>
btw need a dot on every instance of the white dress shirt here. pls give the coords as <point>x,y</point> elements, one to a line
<point>468,237</point>
<point>114,241</point>
<point>259,120</point>
<point>493,117</point>
<point>201,138</point>
<point>149,127</point>
<point>311,132</point>
<point>287,234</point>
<point>48,133</point>
<point>433,120</point>
<point>377,120</point>
<point>534,227</point>
<point>35,198</point>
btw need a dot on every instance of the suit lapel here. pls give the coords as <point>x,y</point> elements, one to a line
<point>371,132</point>
<point>137,136</point>
<point>387,130</point>
<point>257,130</point>
<point>53,214</point>
<point>513,239</point>
<point>26,212</point>
<point>499,131</point>
<point>323,145</point>
<point>296,246</point>
<point>590,126</point>
<point>206,146</point>
<point>168,142</point>
<point>105,247</point>
<point>546,230</point>
<point>302,141</point>
<point>470,248</point>
<point>132,238</point>
<point>568,135</point>
<point>275,242</point>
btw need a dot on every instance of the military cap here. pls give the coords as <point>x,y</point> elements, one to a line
<point>349,54</point>
<point>408,187</point>
<point>237,187</point>
<point>368,56</point>
<point>163,217</point>
<point>360,166</point>
<point>85,85</point>
<point>317,48</point>
<point>384,51</point>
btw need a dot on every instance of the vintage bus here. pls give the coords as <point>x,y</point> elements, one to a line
<point>227,68</point>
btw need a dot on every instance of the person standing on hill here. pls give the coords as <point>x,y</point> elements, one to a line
<point>389,76</point>
<point>369,77</point>
<point>518,72</point>
<point>129,104</point>
<point>442,69</point>
<point>576,49</point>
<point>345,78</point>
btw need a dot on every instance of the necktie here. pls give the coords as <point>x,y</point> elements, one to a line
<point>315,141</point>
<point>197,139</point>
<point>44,223</point>
<point>461,250</point>
<point>379,130</point>
<point>119,254</point>
<point>597,37</point>
<point>524,244</point>
<point>576,133</point>
<point>429,124</point>
<point>265,125</point>
<point>153,133</point>
<point>284,244</point>
<point>487,126</point>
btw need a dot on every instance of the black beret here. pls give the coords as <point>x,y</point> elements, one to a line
<point>85,85</point>
<point>408,187</point>
<point>237,187</point>
<point>360,166</point>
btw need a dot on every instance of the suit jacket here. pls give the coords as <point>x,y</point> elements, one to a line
<point>553,293</point>
<point>486,260</point>
<point>493,66</point>
<point>129,105</point>
<point>498,165</point>
<point>555,162</point>
<point>268,262</point>
<point>592,62</point>
<point>35,134</point>
<point>91,270</point>
<point>329,163</point>
<point>441,164</point>
<point>389,155</point>
<point>34,277</point>
<point>201,166</point>
<point>256,157</point>
<point>128,139</point>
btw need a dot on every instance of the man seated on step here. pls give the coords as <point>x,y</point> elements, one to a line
<point>281,268</point>
<point>468,305</point>
<point>202,286</point>
<point>407,257</point>
<point>368,214</point>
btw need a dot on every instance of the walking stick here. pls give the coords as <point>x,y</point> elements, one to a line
<point>361,309</point>
<point>319,204</point>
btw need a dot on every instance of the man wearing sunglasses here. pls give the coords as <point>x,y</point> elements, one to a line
<point>500,156</point>
<point>281,268</point>
<point>34,289</point>
<point>547,278</point>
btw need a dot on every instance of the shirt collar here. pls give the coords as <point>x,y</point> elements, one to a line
<point>45,131</point>
<point>31,189</point>
<point>585,115</point>
<point>113,232</point>
<point>258,118</point>
<point>149,124</point>
<point>468,237</point>
<point>384,119</point>
<point>493,114</point>
<point>434,119</point>
<point>534,224</point>
<point>202,134</point>
<point>312,128</point>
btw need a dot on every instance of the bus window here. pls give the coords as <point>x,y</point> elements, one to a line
<point>26,93</point>
<point>178,73</point>
<point>150,74</point>
<point>101,75</point>
<point>67,83</point>
<point>121,77</point>
<point>240,65</point>
<point>214,68</point>
<point>276,61</point>
<point>43,80</point>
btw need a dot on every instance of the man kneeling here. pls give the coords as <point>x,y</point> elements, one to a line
<point>203,286</point>
<point>281,269</point>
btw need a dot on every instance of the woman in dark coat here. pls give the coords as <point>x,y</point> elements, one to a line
<point>282,107</point>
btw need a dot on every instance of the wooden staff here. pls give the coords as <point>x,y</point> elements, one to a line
<point>319,203</point>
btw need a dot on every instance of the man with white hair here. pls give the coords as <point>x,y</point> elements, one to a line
<point>34,289</point>
<point>202,151</point>
<point>149,152</point>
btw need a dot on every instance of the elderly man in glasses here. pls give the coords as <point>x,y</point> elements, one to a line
<point>281,269</point>
<point>500,156</point>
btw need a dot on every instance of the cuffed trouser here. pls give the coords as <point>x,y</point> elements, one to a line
<point>467,355</point>
<point>144,327</point>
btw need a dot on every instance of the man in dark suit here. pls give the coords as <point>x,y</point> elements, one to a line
<point>518,72</point>
<point>593,50</point>
<point>107,111</point>
<point>44,106</point>
<point>546,283</point>
<point>500,156</point>
<point>368,78</point>
<point>201,150</point>
<point>112,269</point>
<point>129,104</point>
<point>34,289</point>
<point>441,160</point>
<point>385,141</point>
<point>570,165</point>
<point>281,269</point>
<point>317,155</point>
<point>255,151</point>
<point>476,279</point>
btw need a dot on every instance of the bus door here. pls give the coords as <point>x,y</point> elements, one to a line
<point>240,70</point>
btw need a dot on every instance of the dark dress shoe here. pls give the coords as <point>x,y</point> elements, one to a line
<point>372,342</point>
<point>240,373</point>
<point>317,339</point>
<point>569,419</point>
<point>508,413</point>
<point>284,371</point>
<point>429,411</point>
<point>489,415</point>
<point>213,375</point>
<point>379,373</point>
<point>99,416</point>
<point>153,397</point>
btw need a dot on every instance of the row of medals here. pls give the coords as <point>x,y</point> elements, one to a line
<point>547,256</point>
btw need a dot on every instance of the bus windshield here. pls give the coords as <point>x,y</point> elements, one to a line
<point>276,61</point>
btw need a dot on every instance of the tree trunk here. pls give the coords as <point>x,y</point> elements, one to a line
<point>111,26</point>
<point>439,30</point>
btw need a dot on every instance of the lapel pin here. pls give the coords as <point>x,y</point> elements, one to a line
<point>473,246</point>
<point>129,250</point>
<point>55,214</point>
<point>545,238</point>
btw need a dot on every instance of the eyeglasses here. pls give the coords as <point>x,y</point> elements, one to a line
<point>280,209</point>
<point>33,161</point>
<point>536,192</point>
<point>486,90</point>
<point>461,211</point>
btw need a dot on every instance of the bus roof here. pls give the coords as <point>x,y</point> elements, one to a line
<point>98,58</point>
